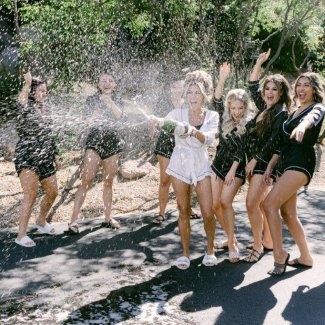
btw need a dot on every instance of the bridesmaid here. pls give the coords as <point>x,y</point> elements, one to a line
<point>296,167</point>
<point>272,102</point>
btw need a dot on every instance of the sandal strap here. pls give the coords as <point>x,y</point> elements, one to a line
<point>159,219</point>
<point>113,223</point>
<point>233,255</point>
<point>253,255</point>
<point>279,265</point>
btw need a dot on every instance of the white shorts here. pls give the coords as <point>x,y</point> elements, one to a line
<point>189,164</point>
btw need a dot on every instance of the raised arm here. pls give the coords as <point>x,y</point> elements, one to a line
<point>253,84</point>
<point>23,95</point>
<point>224,73</point>
<point>263,57</point>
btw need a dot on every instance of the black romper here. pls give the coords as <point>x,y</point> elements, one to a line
<point>230,148</point>
<point>104,137</point>
<point>261,148</point>
<point>35,149</point>
<point>300,156</point>
<point>166,142</point>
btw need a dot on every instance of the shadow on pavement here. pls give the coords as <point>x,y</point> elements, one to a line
<point>95,248</point>
<point>306,302</point>
<point>204,288</point>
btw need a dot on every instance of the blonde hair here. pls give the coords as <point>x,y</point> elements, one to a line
<point>203,80</point>
<point>228,123</point>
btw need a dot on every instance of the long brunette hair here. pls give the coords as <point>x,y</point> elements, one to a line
<point>268,116</point>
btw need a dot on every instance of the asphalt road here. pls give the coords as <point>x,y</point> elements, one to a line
<point>105,276</point>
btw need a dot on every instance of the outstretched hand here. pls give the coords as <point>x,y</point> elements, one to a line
<point>298,133</point>
<point>263,57</point>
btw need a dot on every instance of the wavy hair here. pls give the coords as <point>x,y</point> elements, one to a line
<point>268,116</point>
<point>229,124</point>
<point>203,80</point>
<point>316,82</point>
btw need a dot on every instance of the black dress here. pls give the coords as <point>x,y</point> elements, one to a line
<point>103,137</point>
<point>230,148</point>
<point>166,141</point>
<point>35,149</point>
<point>300,156</point>
<point>261,147</point>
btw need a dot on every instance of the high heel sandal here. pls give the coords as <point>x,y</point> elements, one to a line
<point>279,268</point>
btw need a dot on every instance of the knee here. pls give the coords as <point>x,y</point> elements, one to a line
<point>269,206</point>
<point>225,203</point>
<point>52,194</point>
<point>165,181</point>
<point>30,197</point>
<point>288,215</point>
<point>251,205</point>
<point>216,207</point>
<point>184,212</point>
<point>108,182</point>
<point>207,215</point>
<point>86,183</point>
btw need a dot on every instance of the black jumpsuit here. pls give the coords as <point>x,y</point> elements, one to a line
<point>230,148</point>
<point>261,148</point>
<point>36,148</point>
<point>103,137</point>
<point>300,156</point>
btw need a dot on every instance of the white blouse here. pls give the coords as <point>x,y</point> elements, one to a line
<point>190,159</point>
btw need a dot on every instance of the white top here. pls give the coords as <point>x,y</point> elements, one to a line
<point>190,159</point>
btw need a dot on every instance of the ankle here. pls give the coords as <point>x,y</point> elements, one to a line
<point>280,256</point>
<point>21,235</point>
<point>40,222</point>
<point>232,247</point>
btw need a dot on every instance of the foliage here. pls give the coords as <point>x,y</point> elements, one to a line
<point>71,39</point>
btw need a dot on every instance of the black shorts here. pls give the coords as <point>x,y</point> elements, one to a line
<point>106,142</point>
<point>260,169</point>
<point>165,144</point>
<point>35,158</point>
<point>298,158</point>
<point>221,169</point>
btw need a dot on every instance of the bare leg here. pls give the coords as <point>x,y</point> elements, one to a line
<point>164,184</point>
<point>110,166</point>
<point>91,164</point>
<point>217,184</point>
<point>255,195</point>
<point>50,187</point>
<point>227,198</point>
<point>29,183</point>
<point>283,195</point>
<point>183,192</point>
<point>289,214</point>
<point>204,194</point>
<point>267,238</point>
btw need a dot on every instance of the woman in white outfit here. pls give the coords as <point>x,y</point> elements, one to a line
<point>189,164</point>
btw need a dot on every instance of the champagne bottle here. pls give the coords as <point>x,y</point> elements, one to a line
<point>171,126</point>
